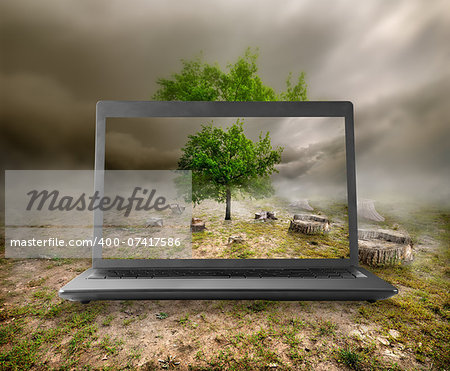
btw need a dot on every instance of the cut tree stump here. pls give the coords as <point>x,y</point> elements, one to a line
<point>366,210</point>
<point>197,225</point>
<point>177,209</point>
<point>235,239</point>
<point>301,204</point>
<point>154,222</point>
<point>263,215</point>
<point>384,235</point>
<point>312,218</point>
<point>384,247</point>
<point>308,227</point>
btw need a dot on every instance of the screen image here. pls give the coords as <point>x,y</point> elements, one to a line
<point>261,187</point>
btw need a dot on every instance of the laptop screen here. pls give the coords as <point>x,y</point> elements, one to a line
<point>262,187</point>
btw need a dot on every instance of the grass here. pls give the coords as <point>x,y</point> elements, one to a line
<point>110,346</point>
<point>162,315</point>
<point>108,319</point>
<point>40,331</point>
<point>350,358</point>
<point>326,328</point>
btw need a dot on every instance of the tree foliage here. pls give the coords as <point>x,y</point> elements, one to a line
<point>226,161</point>
<point>201,81</point>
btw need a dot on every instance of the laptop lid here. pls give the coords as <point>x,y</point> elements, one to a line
<point>314,177</point>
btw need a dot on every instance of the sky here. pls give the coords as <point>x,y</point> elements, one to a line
<point>312,159</point>
<point>390,58</point>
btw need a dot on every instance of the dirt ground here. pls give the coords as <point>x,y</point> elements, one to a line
<point>409,331</point>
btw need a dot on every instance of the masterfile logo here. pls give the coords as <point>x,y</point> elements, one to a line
<point>53,200</point>
<point>130,214</point>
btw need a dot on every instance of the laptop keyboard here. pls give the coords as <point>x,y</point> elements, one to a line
<point>311,273</point>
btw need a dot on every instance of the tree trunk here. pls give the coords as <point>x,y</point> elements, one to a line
<point>228,209</point>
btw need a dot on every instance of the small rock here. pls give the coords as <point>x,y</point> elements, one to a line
<point>235,239</point>
<point>356,333</point>
<point>364,329</point>
<point>388,353</point>
<point>154,222</point>
<point>383,341</point>
<point>394,333</point>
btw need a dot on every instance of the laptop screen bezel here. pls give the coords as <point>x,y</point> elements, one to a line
<point>142,109</point>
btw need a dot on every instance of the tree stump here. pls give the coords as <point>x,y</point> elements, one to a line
<point>177,209</point>
<point>235,239</point>
<point>308,227</point>
<point>312,217</point>
<point>301,204</point>
<point>154,222</point>
<point>384,247</point>
<point>197,225</point>
<point>366,210</point>
<point>263,215</point>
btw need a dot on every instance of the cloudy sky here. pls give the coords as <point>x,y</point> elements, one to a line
<point>390,58</point>
<point>312,162</point>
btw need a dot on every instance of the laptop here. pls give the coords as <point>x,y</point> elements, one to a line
<point>295,240</point>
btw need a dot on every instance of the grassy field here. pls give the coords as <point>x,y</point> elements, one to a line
<point>409,331</point>
<point>270,238</point>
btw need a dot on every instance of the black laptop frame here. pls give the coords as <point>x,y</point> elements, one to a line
<point>129,109</point>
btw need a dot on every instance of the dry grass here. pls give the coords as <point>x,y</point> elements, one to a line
<point>40,331</point>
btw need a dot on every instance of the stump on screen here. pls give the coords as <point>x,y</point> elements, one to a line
<point>197,225</point>
<point>366,210</point>
<point>312,217</point>
<point>309,224</point>
<point>301,204</point>
<point>177,209</point>
<point>381,247</point>
<point>264,215</point>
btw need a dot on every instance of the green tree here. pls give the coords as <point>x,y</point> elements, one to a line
<point>226,161</point>
<point>201,81</point>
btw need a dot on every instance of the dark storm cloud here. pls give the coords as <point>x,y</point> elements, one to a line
<point>389,58</point>
<point>403,143</point>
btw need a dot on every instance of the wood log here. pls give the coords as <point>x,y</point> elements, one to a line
<point>301,204</point>
<point>154,222</point>
<point>235,239</point>
<point>197,225</point>
<point>308,227</point>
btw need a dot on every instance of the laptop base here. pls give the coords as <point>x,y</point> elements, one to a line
<point>369,288</point>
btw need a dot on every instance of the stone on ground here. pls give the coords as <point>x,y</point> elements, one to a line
<point>235,239</point>
<point>154,222</point>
